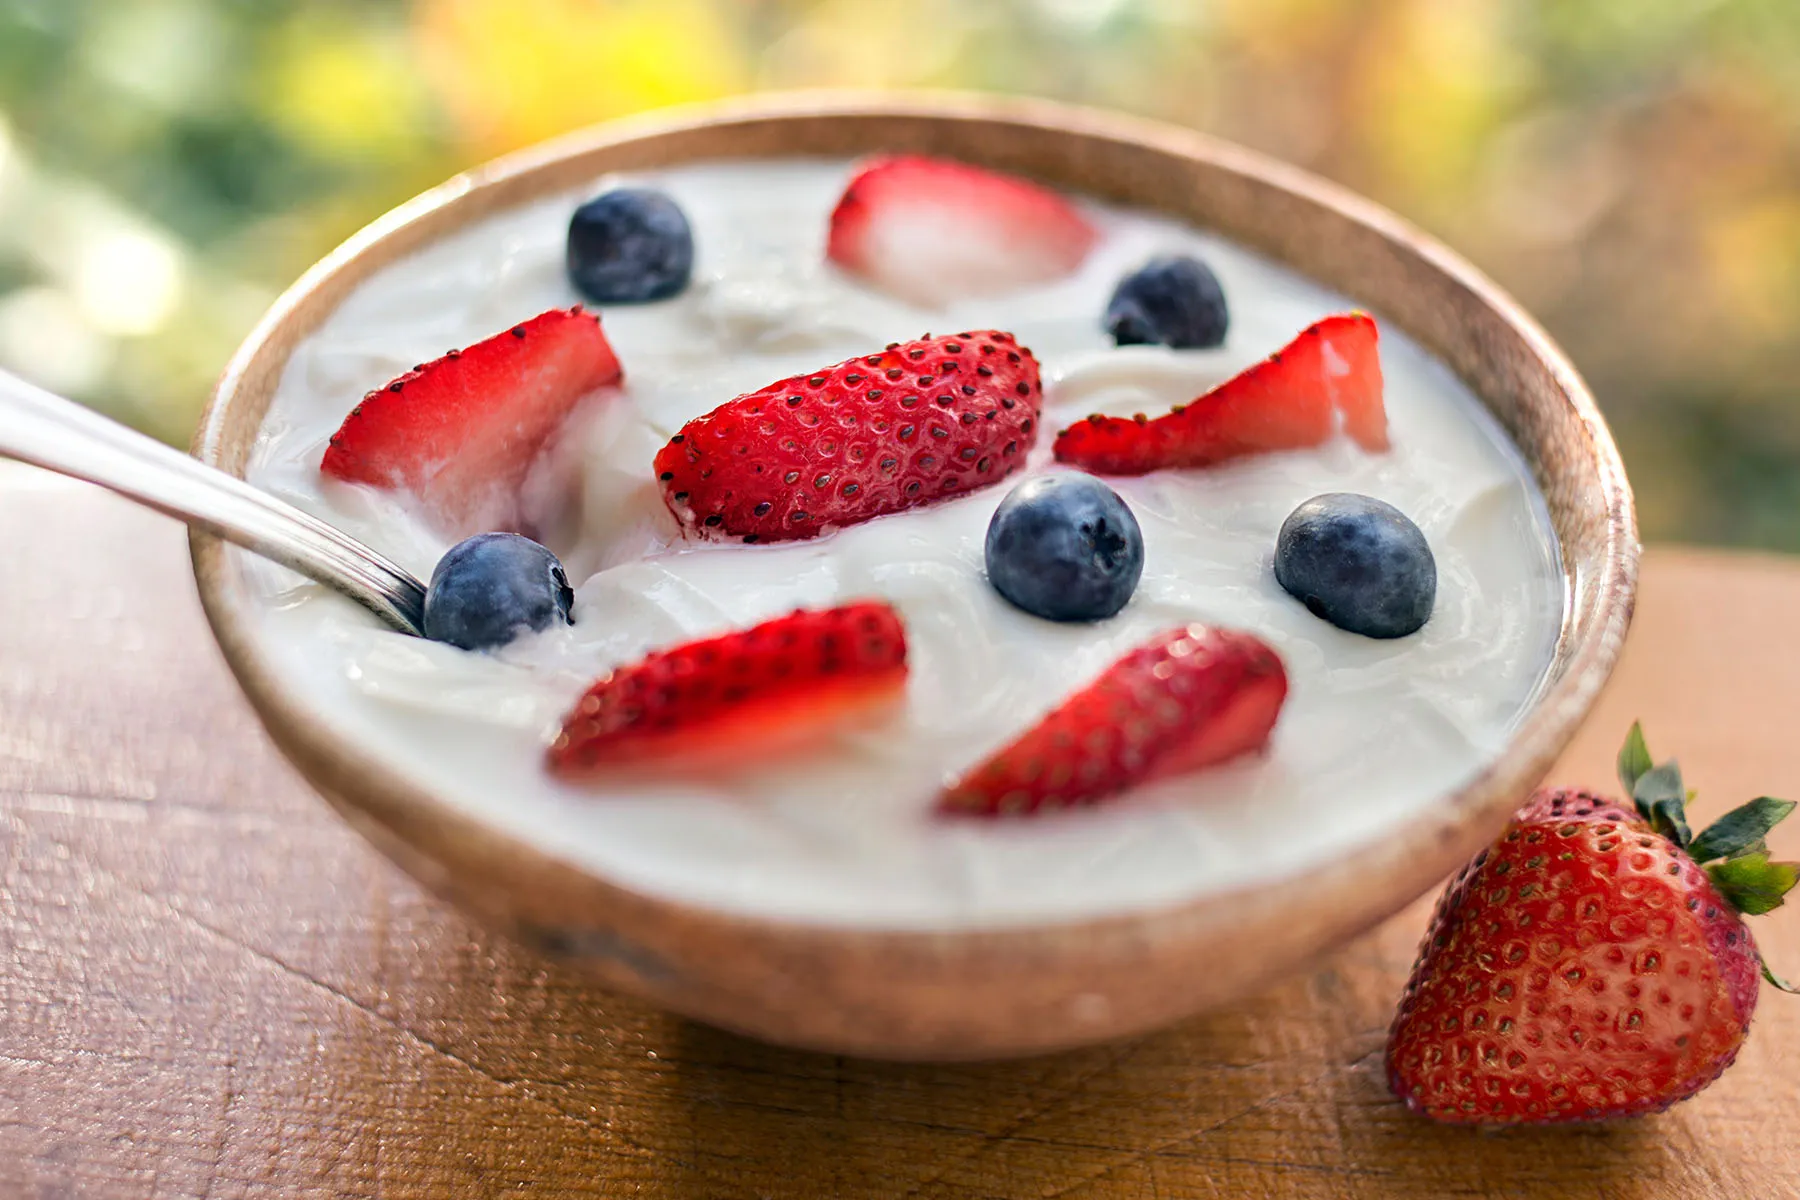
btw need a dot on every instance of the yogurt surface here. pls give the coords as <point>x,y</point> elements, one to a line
<point>1373,732</point>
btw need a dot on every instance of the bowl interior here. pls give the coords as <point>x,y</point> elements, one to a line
<point>1330,236</point>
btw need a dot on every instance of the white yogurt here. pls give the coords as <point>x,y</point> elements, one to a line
<point>1373,733</point>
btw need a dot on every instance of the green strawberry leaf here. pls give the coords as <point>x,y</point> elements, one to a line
<point>1741,830</point>
<point>1662,800</point>
<point>1634,758</point>
<point>1778,981</point>
<point>1752,884</point>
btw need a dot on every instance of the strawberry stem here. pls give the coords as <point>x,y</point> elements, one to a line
<point>1740,830</point>
<point>1661,798</point>
<point>1731,850</point>
<point>1634,759</point>
<point>1752,883</point>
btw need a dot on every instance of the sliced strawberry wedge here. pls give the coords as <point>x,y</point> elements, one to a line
<point>1188,699</point>
<point>748,693</point>
<point>930,231</point>
<point>1285,402</point>
<point>461,433</point>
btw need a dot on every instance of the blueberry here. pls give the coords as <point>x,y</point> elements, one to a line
<point>489,588</point>
<point>1065,547</point>
<point>1175,301</point>
<point>1359,563</point>
<point>629,246</point>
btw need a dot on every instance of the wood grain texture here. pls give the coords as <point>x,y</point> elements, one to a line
<point>209,987</point>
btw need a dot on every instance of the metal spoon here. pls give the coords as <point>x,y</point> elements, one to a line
<point>48,431</point>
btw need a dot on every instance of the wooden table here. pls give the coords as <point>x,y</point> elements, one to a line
<point>211,988</point>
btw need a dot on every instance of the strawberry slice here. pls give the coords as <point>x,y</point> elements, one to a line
<point>889,431</point>
<point>1284,402</point>
<point>1187,699</point>
<point>931,231</point>
<point>747,693</point>
<point>461,433</point>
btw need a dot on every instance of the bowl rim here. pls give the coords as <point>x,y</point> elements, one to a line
<point>450,850</point>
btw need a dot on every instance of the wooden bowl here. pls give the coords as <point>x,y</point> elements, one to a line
<point>913,994</point>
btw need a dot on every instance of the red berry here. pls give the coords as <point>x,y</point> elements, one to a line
<point>1187,699</point>
<point>750,692</point>
<point>1585,966</point>
<point>1285,402</point>
<point>461,433</point>
<point>888,431</point>
<point>932,231</point>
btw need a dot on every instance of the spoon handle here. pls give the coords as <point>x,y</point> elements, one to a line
<point>48,431</point>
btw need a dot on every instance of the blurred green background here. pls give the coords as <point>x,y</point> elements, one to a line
<point>1629,168</point>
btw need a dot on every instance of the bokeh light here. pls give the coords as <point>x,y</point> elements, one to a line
<point>1629,168</point>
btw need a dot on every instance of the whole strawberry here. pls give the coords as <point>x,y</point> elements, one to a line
<point>1593,962</point>
<point>889,431</point>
